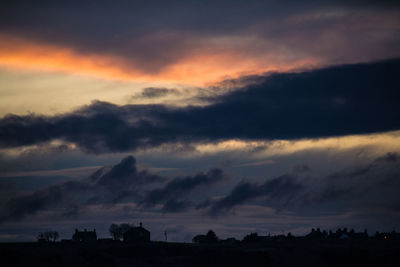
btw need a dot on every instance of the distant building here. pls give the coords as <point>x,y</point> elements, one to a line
<point>84,236</point>
<point>137,234</point>
<point>388,236</point>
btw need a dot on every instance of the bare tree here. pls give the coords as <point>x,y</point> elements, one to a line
<point>40,237</point>
<point>124,227</point>
<point>48,235</point>
<point>115,231</point>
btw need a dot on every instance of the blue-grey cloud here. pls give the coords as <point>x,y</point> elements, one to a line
<point>174,194</point>
<point>284,187</point>
<point>107,186</point>
<point>369,187</point>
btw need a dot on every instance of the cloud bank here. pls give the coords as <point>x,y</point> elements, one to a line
<point>364,190</point>
<point>335,101</point>
<point>109,186</point>
<point>176,43</point>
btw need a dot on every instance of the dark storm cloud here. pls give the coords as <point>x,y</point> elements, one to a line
<point>284,187</point>
<point>123,175</point>
<point>102,187</point>
<point>349,99</point>
<point>18,207</point>
<point>179,188</point>
<point>152,35</point>
<point>370,187</point>
<point>107,186</point>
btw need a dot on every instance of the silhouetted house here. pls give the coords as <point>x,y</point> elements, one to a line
<point>255,238</point>
<point>84,236</point>
<point>387,236</point>
<point>137,234</point>
<point>209,238</point>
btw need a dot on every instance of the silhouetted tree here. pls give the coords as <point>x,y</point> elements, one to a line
<point>124,227</point>
<point>250,238</point>
<point>290,236</point>
<point>48,235</point>
<point>325,233</point>
<point>41,237</point>
<point>115,231</point>
<point>55,236</point>
<point>211,237</point>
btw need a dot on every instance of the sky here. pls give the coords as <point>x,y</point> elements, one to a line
<point>236,116</point>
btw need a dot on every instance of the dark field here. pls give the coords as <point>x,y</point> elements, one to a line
<point>284,253</point>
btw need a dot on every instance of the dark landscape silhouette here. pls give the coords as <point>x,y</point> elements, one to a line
<point>130,245</point>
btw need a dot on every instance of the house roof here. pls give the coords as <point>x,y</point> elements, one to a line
<point>139,228</point>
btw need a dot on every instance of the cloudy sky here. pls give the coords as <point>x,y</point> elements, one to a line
<point>236,116</point>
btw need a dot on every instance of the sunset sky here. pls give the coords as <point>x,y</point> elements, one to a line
<point>236,116</point>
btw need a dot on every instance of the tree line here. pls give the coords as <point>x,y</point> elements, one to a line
<point>47,236</point>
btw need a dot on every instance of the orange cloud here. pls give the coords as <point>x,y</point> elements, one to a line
<point>198,68</point>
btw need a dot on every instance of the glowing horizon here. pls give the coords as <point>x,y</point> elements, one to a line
<point>200,68</point>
